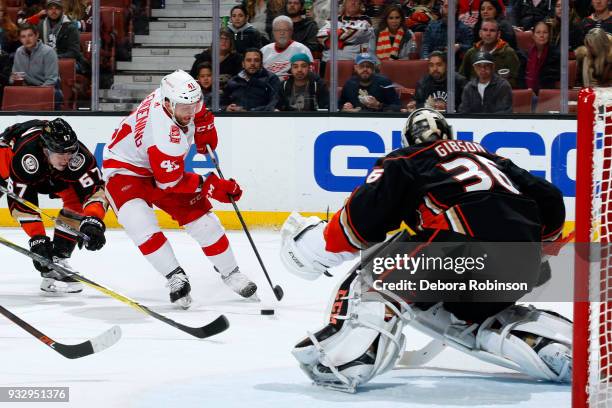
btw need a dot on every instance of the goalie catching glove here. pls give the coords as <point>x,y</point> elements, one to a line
<point>94,228</point>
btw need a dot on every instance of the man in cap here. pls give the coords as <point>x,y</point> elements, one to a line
<point>303,90</point>
<point>487,92</point>
<point>367,90</point>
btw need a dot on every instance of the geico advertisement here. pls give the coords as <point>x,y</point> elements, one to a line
<point>313,163</point>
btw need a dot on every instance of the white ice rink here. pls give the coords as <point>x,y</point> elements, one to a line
<point>247,366</point>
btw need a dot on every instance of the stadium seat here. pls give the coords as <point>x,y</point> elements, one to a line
<point>521,100</point>
<point>14,3</point>
<point>524,40</point>
<point>28,98</point>
<point>405,72</point>
<point>571,71</point>
<point>67,72</point>
<point>549,100</point>
<point>345,71</point>
<point>125,4</point>
<point>316,66</point>
<point>85,40</point>
<point>418,38</point>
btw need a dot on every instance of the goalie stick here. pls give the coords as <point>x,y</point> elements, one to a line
<point>72,351</point>
<point>217,326</point>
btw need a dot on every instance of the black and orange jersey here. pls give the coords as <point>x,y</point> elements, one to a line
<point>448,185</point>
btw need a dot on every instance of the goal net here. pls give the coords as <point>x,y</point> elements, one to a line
<point>592,348</point>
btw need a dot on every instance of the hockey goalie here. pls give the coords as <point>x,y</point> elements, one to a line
<point>445,190</point>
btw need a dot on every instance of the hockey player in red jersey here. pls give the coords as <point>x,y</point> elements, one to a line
<point>144,165</point>
<point>45,157</point>
<point>446,191</point>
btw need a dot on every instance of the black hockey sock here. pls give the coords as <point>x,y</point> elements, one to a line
<point>63,243</point>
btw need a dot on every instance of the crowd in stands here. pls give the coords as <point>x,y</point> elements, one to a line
<point>500,46</point>
<point>275,54</point>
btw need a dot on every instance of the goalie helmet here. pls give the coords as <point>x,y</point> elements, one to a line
<point>58,137</point>
<point>425,125</point>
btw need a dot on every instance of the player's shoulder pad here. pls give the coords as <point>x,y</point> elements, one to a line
<point>29,163</point>
<point>80,163</point>
<point>167,136</point>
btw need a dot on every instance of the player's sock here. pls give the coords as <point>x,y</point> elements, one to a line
<point>159,253</point>
<point>222,256</point>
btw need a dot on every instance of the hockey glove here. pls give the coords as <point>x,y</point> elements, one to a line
<point>41,245</point>
<point>205,131</point>
<point>221,190</point>
<point>94,228</point>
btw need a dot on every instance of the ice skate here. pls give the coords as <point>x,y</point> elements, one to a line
<point>241,284</point>
<point>54,282</point>
<point>179,288</point>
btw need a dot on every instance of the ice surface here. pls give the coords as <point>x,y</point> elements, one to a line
<point>249,365</point>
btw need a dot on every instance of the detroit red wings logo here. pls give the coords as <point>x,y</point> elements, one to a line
<point>175,134</point>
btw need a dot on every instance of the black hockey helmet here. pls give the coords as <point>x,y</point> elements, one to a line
<point>58,137</point>
<point>425,125</point>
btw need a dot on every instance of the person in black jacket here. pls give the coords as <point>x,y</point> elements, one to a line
<point>253,89</point>
<point>304,29</point>
<point>245,35</point>
<point>60,33</point>
<point>432,90</point>
<point>492,10</point>
<point>526,14</point>
<point>367,91</point>
<point>230,63</point>
<point>303,90</point>
<point>487,92</point>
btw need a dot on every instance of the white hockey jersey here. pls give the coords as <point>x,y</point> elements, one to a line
<point>149,144</point>
<point>277,61</point>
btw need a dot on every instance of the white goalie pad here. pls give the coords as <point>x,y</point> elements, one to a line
<point>303,247</point>
<point>368,342</point>
<point>525,339</point>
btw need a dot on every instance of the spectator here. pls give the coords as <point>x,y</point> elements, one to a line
<point>58,32</point>
<point>393,40</point>
<point>9,34</point>
<point>594,59</point>
<point>526,13</point>
<point>31,12</point>
<point>261,14</point>
<point>367,91</point>
<point>467,12</point>
<point>276,55</point>
<point>245,35</point>
<point>304,28</point>
<point>543,65</point>
<point>79,12</point>
<point>601,17</point>
<point>434,38</point>
<point>254,88</point>
<point>304,90</point>
<point>492,10</point>
<point>204,78</point>
<point>419,13</point>
<point>575,29</point>
<point>37,61</point>
<point>432,90</point>
<point>230,62</point>
<point>354,31</point>
<point>503,55</point>
<point>487,92</point>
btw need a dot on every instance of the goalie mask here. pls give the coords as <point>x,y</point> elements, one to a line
<point>425,125</point>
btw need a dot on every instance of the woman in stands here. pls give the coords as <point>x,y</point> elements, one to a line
<point>262,12</point>
<point>245,35</point>
<point>392,37</point>
<point>230,62</point>
<point>9,35</point>
<point>79,11</point>
<point>575,31</point>
<point>542,69</point>
<point>594,59</point>
<point>491,10</point>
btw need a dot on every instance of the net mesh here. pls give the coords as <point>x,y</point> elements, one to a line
<point>600,322</point>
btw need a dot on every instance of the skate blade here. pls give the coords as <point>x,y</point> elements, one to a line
<point>253,298</point>
<point>48,286</point>
<point>184,302</point>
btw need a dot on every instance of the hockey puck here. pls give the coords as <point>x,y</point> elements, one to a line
<point>267,312</point>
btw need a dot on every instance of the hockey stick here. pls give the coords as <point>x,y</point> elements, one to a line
<point>34,207</point>
<point>95,345</point>
<point>278,291</point>
<point>217,326</point>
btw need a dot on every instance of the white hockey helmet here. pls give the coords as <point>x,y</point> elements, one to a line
<point>181,89</point>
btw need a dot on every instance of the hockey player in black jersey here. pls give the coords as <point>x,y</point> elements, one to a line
<point>45,157</point>
<point>445,190</point>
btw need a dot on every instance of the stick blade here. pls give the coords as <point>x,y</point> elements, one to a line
<point>220,324</point>
<point>95,345</point>
<point>278,292</point>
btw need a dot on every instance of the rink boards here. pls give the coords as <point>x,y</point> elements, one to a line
<point>311,164</point>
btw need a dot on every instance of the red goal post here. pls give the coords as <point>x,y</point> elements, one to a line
<point>592,345</point>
